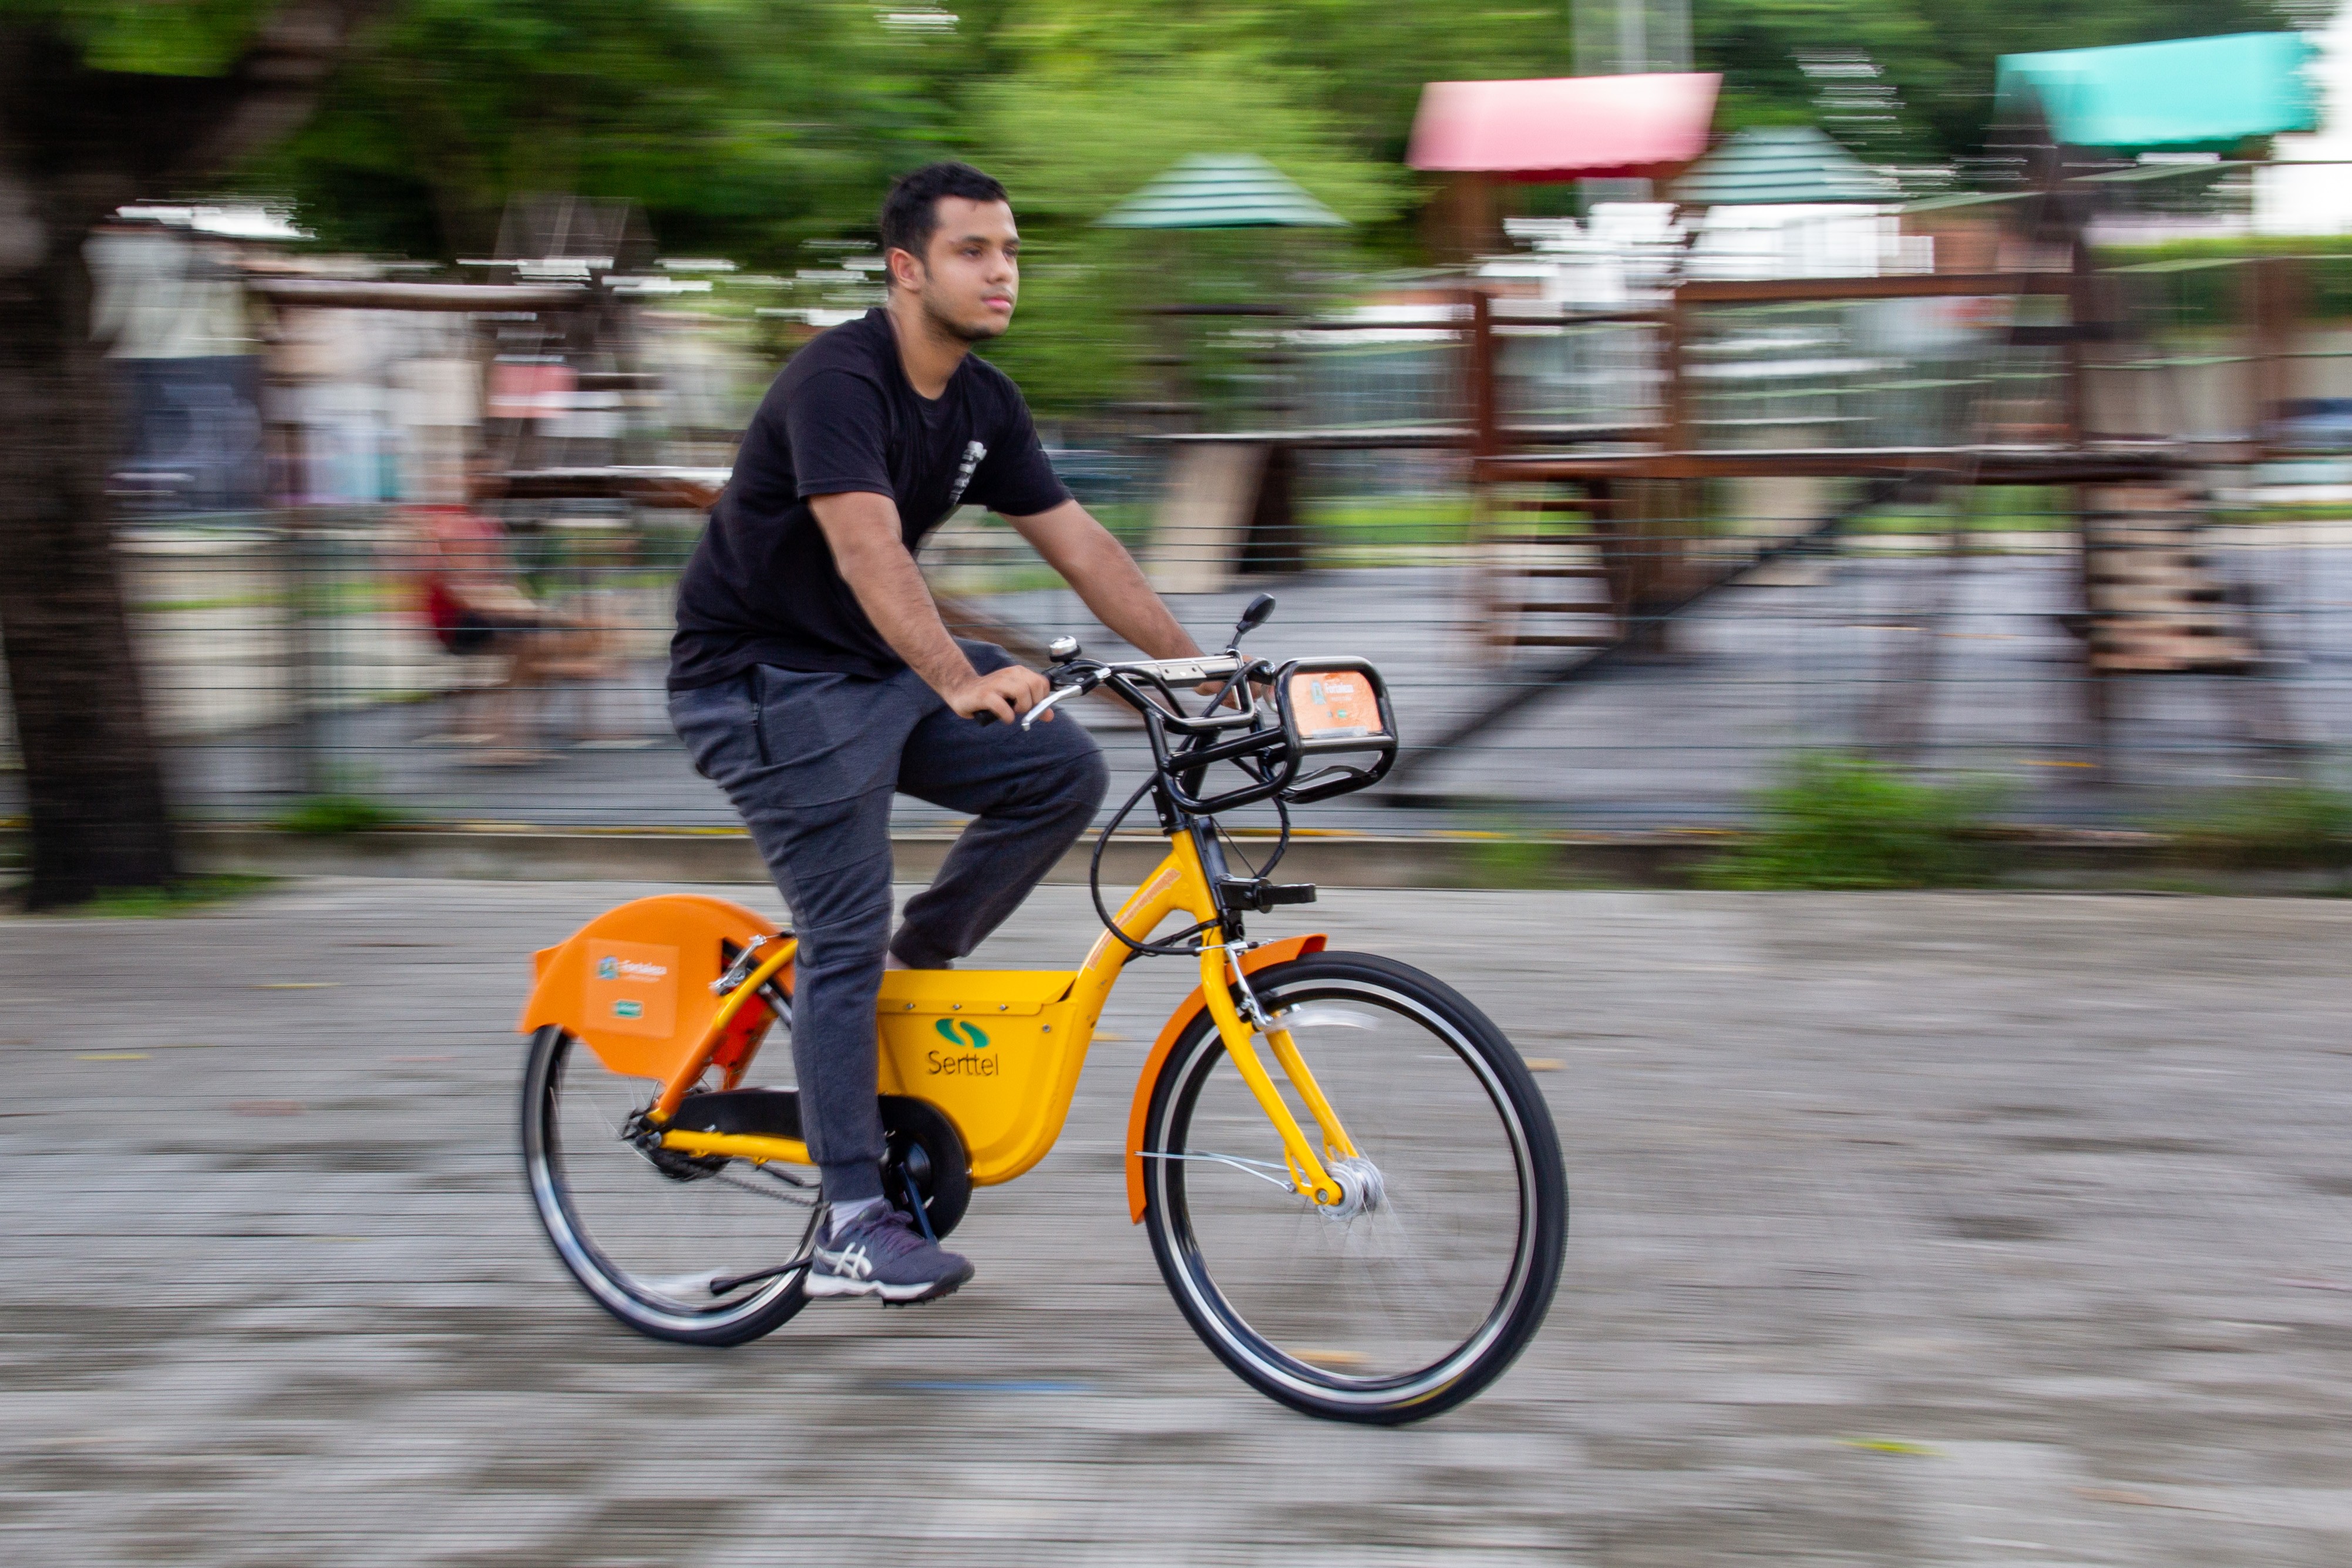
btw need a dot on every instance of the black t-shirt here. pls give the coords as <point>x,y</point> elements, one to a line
<point>761,587</point>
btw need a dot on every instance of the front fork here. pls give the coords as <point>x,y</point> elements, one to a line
<point>1307,1172</point>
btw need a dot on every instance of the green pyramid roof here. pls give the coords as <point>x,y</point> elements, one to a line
<point>1210,190</point>
<point>1780,164</point>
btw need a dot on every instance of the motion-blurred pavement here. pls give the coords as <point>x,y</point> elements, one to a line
<point>1954,1229</point>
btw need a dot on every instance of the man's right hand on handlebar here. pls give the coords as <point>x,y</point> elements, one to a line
<point>1001,694</point>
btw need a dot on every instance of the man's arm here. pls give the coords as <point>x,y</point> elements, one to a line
<point>864,534</point>
<point>1106,578</point>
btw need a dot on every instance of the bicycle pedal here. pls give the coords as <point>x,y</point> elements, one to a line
<point>921,1301</point>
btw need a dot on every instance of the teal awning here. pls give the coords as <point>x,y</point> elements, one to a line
<point>1780,165</point>
<point>1223,191</point>
<point>2186,93</point>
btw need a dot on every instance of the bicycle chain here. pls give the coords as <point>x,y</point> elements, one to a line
<point>645,1139</point>
<point>780,1198</point>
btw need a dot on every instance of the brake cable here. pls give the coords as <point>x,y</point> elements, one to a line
<point>1281,842</point>
<point>1171,947</point>
<point>1167,949</point>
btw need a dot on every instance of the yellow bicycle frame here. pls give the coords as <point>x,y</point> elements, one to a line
<point>998,1051</point>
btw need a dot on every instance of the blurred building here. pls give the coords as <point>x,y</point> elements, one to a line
<point>170,306</point>
<point>2308,187</point>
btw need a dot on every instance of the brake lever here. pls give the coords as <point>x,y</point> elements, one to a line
<point>1051,698</point>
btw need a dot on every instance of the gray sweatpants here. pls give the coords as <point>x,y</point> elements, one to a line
<point>810,761</point>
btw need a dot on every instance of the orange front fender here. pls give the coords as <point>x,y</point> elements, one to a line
<point>1253,960</point>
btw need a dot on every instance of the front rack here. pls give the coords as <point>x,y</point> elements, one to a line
<point>1269,722</point>
<point>1265,720</point>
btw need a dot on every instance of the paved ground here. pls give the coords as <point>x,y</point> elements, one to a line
<point>1910,1230</point>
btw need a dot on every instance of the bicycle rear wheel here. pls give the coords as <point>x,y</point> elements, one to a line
<point>1422,1289</point>
<point>708,1252</point>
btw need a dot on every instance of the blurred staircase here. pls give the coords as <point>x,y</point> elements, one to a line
<point>1544,577</point>
<point>2154,604</point>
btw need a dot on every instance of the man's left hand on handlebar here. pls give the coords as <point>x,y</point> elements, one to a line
<point>1233,698</point>
<point>1003,695</point>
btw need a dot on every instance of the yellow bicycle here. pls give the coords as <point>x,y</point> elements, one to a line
<point>1371,1239</point>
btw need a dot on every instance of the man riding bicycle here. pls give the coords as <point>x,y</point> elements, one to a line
<point>811,676</point>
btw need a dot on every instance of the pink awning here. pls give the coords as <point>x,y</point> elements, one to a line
<point>1564,128</point>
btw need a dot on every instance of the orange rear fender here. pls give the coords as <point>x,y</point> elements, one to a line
<point>634,983</point>
<point>1253,960</point>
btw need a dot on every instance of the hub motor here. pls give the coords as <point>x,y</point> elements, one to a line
<point>1362,1190</point>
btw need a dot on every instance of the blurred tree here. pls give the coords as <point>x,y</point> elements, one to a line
<point>745,126</point>
<point>1071,142</point>
<point>1360,64</point>
<point>739,126</point>
<point>1092,99</point>
<point>101,102</point>
<point>1936,57</point>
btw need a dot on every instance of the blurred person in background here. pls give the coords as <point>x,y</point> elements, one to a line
<point>811,676</point>
<point>476,603</point>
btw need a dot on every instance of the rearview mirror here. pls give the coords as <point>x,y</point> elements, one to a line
<point>1254,616</point>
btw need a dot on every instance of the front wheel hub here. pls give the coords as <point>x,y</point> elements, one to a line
<point>1362,1190</point>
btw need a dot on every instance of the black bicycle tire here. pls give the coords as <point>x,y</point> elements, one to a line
<point>1537,1265</point>
<point>577,1250</point>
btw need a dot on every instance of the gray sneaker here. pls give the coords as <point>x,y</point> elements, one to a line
<point>880,1253</point>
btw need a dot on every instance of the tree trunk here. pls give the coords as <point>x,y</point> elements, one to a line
<point>94,776</point>
<point>93,780</point>
<point>75,144</point>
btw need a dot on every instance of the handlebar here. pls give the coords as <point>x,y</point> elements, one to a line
<point>1267,740</point>
<point>1173,671</point>
<point>1075,677</point>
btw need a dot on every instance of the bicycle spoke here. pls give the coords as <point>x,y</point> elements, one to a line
<point>1264,1170</point>
<point>677,1247</point>
<point>1416,1261</point>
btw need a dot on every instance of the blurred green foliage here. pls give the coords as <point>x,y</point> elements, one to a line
<point>2271,826</point>
<point>744,124</point>
<point>740,126</point>
<point>337,812</point>
<point>1074,133</point>
<point>1936,54</point>
<point>745,127</point>
<point>193,37</point>
<point>1838,821</point>
<point>1518,858</point>
<point>1982,509</point>
<point>2203,283</point>
<point>185,896</point>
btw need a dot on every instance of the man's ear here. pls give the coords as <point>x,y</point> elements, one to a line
<point>912,272</point>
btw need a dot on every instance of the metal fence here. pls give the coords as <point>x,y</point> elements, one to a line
<point>292,654</point>
<point>295,660</point>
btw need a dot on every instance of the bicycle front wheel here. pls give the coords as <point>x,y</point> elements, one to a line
<point>699,1251</point>
<point>1424,1286</point>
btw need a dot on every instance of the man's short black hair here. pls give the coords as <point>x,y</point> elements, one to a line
<point>911,213</point>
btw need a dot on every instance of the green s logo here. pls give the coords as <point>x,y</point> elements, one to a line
<point>962,1035</point>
